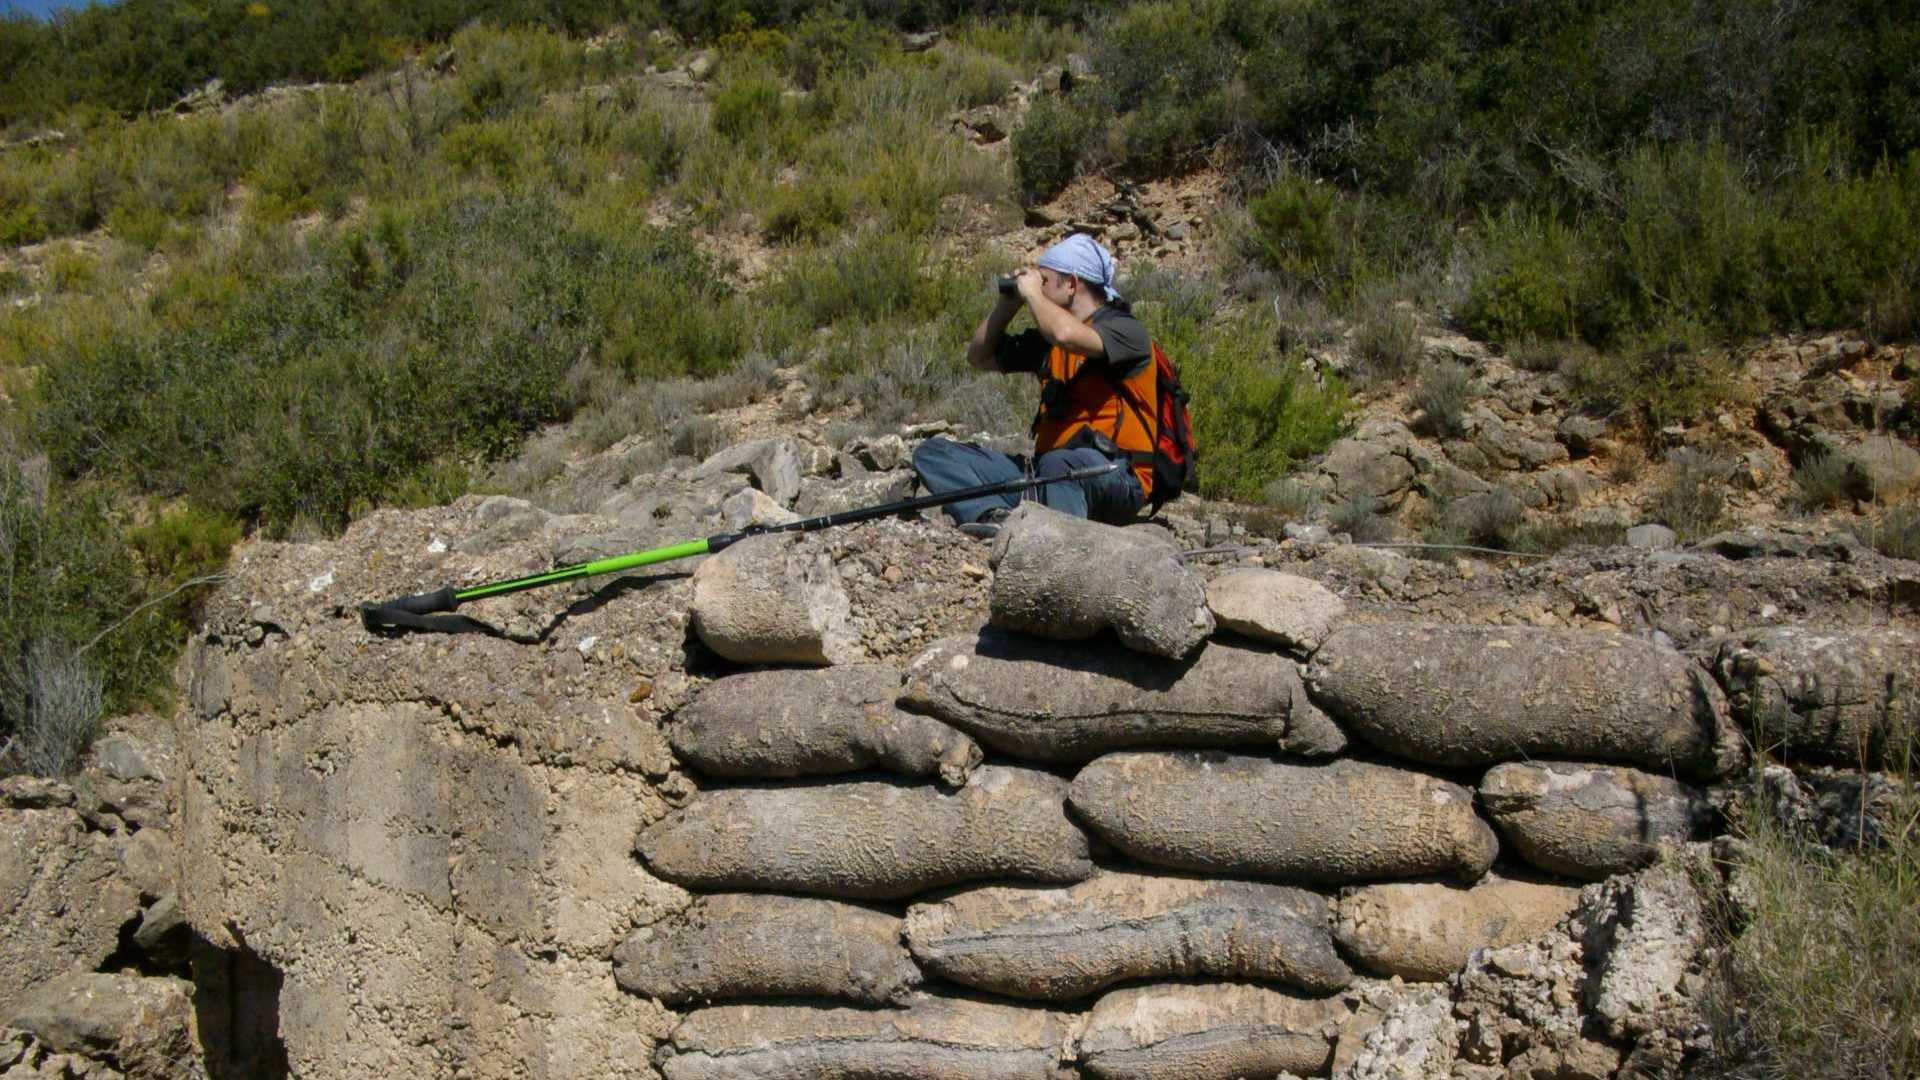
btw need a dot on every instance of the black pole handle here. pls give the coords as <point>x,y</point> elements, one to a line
<point>394,612</point>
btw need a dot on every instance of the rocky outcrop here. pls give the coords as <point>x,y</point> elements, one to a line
<point>774,600</point>
<point>142,1028</point>
<point>1068,703</point>
<point>1067,579</point>
<point>63,897</point>
<point>1294,613</point>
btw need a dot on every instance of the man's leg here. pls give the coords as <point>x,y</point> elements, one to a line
<point>1113,497</point>
<point>945,465</point>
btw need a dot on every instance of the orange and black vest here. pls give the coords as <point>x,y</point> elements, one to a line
<point>1077,393</point>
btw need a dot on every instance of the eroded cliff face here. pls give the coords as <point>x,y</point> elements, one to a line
<point>450,847</point>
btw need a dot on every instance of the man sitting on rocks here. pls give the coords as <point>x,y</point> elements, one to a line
<point>1095,365</point>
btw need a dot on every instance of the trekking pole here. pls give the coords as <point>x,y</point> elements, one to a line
<point>407,611</point>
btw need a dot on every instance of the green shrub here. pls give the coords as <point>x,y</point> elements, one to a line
<point>1529,289</point>
<point>1691,499</point>
<point>490,148</point>
<point>1491,519</point>
<point>748,106</point>
<point>1256,413</point>
<point>1294,226</point>
<point>827,46</point>
<point>1671,373</point>
<point>1821,481</point>
<point>1386,344</point>
<point>1048,144</point>
<point>1025,41</point>
<point>1895,532</point>
<point>1819,975</point>
<point>804,211</point>
<point>1441,398</point>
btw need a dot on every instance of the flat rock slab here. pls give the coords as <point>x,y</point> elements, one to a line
<point>792,723</point>
<point>1069,579</point>
<point>1591,821</point>
<point>1063,944</point>
<point>1478,695</point>
<point>1068,703</point>
<point>63,898</point>
<point>934,1039</point>
<point>755,945</point>
<point>1424,931</point>
<point>1335,823</point>
<point>1214,1031</point>
<point>1293,612</point>
<point>1845,695</point>
<point>871,839</point>
<point>775,600</point>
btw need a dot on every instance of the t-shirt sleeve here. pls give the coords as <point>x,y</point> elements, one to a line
<point>1024,351</point>
<point>1128,347</point>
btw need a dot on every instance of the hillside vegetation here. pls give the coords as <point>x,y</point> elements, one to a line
<point>278,314</point>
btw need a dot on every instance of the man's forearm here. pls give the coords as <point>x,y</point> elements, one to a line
<point>983,349</point>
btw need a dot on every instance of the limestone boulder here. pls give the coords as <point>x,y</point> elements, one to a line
<point>1292,612</point>
<point>1591,821</point>
<point>1069,579</point>
<point>1425,931</point>
<point>1069,702</point>
<point>1340,822</point>
<point>63,898</point>
<point>1052,944</point>
<point>142,1027</point>
<point>775,599</point>
<point>791,723</point>
<point>871,839</point>
<point>1478,695</point>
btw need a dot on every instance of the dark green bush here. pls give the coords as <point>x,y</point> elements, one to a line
<point>1048,144</point>
<point>826,46</point>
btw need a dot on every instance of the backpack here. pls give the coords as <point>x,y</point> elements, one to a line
<point>1173,448</point>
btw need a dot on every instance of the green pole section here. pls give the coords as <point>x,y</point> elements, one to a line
<point>582,570</point>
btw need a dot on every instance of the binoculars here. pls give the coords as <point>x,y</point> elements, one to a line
<point>1007,286</point>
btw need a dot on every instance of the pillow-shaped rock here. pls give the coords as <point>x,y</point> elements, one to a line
<point>1061,944</point>
<point>753,945</point>
<point>1424,931</point>
<point>1480,695</point>
<point>788,723</point>
<point>1591,821</point>
<point>935,1039</point>
<point>1067,578</point>
<point>871,839</point>
<point>1334,823</point>
<point>1068,703</point>
<point>1209,1031</point>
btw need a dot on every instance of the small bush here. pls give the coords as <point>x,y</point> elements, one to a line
<point>1048,144</point>
<point>1895,532</point>
<point>804,211</point>
<point>1294,227</point>
<point>826,46</point>
<point>1692,499</point>
<point>1442,396</point>
<point>1821,979</point>
<point>698,437</point>
<point>1490,519</point>
<point>1363,519</point>
<point>1821,481</point>
<point>1561,534</point>
<point>1297,500</point>
<point>1386,345</point>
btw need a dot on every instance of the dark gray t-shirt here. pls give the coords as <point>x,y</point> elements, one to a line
<point>1128,347</point>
